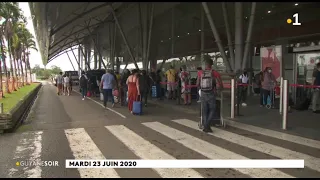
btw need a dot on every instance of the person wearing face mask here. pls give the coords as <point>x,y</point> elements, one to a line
<point>243,79</point>
<point>267,85</point>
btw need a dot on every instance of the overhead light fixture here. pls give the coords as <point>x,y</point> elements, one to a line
<point>246,17</point>
<point>161,41</point>
<point>188,33</point>
<point>178,36</point>
<point>296,4</point>
<point>199,29</point>
<point>269,12</point>
<point>169,38</point>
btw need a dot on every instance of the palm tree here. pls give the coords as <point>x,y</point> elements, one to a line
<point>31,44</point>
<point>3,51</point>
<point>11,12</point>
<point>17,48</point>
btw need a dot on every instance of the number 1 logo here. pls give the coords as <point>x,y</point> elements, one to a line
<point>296,19</point>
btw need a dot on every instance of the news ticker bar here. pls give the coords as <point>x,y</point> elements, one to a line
<point>113,163</point>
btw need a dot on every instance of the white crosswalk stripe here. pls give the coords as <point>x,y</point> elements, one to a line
<point>267,148</point>
<point>80,144</point>
<point>83,147</point>
<point>278,135</point>
<point>146,150</point>
<point>211,151</point>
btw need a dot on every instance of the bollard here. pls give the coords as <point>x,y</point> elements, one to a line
<point>238,99</point>
<point>232,98</point>
<point>285,104</point>
<point>221,110</point>
<point>281,95</point>
<point>1,108</point>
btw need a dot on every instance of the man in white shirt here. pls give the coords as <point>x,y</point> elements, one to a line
<point>59,83</point>
<point>244,80</point>
<point>66,84</point>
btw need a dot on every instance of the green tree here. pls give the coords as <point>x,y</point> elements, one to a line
<point>12,13</point>
<point>55,69</point>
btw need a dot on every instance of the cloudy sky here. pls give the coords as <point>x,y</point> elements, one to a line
<point>35,57</point>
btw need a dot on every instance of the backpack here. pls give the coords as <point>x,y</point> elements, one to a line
<point>207,81</point>
<point>83,81</point>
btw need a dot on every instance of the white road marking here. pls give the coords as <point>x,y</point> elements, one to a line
<point>280,152</point>
<point>83,147</point>
<point>29,148</point>
<point>211,151</point>
<point>112,110</point>
<point>279,135</point>
<point>145,150</point>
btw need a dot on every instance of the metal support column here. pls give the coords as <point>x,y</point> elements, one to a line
<point>71,61</point>
<point>114,49</point>
<point>89,55</point>
<point>249,34</point>
<point>150,34</point>
<point>98,54</point>
<point>143,13</point>
<point>111,57</point>
<point>83,53</point>
<point>172,31</point>
<point>95,45</point>
<point>226,21</point>
<point>202,37</point>
<point>124,37</point>
<point>78,61</point>
<point>86,67</point>
<point>216,36</point>
<point>95,58</point>
<point>238,35</point>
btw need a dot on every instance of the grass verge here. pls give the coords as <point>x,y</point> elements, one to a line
<point>12,99</point>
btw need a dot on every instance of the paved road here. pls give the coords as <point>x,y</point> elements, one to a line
<point>65,127</point>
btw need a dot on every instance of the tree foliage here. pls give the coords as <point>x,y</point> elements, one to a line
<point>44,73</point>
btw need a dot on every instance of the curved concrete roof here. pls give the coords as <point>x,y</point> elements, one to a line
<point>64,25</point>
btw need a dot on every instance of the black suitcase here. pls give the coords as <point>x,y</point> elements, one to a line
<point>217,119</point>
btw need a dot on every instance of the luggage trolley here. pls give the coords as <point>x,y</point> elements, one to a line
<point>222,122</point>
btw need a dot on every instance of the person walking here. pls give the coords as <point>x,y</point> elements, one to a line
<point>268,83</point>
<point>59,80</point>
<point>107,84</point>
<point>66,85</point>
<point>185,82</point>
<point>171,75</point>
<point>83,85</point>
<point>144,85</point>
<point>208,82</point>
<point>243,88</point>
<point>124,87</point>
<point>133,89</point>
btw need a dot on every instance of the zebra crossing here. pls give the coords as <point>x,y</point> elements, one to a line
<point>179,136</point>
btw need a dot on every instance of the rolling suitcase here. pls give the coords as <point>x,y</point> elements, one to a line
<point>218,118</point>
<point>137,106</point>
<point>154,91</point>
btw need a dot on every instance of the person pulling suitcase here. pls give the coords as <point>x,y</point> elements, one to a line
<point>207,81</point>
